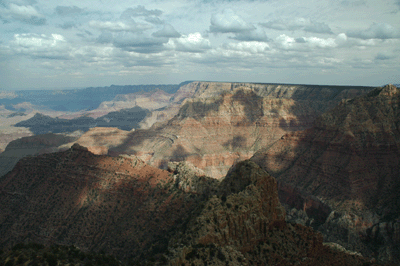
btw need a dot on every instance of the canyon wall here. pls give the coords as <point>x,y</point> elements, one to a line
<point>350,161</point>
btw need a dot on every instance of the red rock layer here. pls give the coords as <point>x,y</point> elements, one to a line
<point>119,204</point>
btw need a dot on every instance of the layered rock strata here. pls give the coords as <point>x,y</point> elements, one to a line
<point>219,124</point>
<point>350,161</point>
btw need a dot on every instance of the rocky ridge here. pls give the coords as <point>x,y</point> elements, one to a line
<point>349,160</point>
<point>146,215</point>
<point>118,204</point>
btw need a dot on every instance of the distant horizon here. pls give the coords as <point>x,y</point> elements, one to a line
<point>79,44</point>
<point>189,81</point>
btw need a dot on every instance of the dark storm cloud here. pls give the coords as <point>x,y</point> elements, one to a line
<point>68,10</point>
<point>375,31</point>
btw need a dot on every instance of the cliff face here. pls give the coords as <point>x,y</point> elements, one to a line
<point>33,145</point>
<point>350,160</point>
<point>244,224</point>
<point>219,124</point>
<point>211,124</point>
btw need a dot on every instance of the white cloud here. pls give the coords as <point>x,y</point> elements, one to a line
<point>25,13</point>
<point>376,31</point>
<point>252,47</point>
<point>228,21</point>
<point>41,46</point>
<point>306,43</point>
<point>192,43</point>
<point>118,26</point>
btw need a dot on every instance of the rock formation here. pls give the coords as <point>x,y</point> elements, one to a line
<point>33,145</point>
<point>219,124</point>
<point>95,202</point>
<point>350,161</point>
<point>144,215</point>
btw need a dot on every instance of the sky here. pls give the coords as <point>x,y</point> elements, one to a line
<point>57,44</point>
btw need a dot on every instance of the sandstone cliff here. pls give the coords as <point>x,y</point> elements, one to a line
<point>350,160</point>
<point>219,124</point>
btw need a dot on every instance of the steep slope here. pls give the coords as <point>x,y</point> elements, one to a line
<point>146,215</point>
<point>95,202</point>
<point>244,224</point>
<point>34,145</point>
<point>350,160</point>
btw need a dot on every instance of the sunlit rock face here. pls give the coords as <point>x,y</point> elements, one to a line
<point>219,124</point>
<point>350,160</point>
<point>213,124</point>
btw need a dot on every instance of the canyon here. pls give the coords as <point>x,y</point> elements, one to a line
<point>334,151</point>
<point>143,215</point>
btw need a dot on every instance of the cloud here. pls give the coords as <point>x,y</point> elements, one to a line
<point>68,10</point>
<point>192,43</point>
<point>118,26</point>
<point>68,25</point>
<point>375,31</point>
<point>8,95</point>
<point>384,56</point>
<point>252,35</point>
<point>27,14</point>
<point>252,47</point>
<point>41,46</point>
<point>229,22</point>
<point>304,24</point>
<point>139,43</point>
<point>286,42</point>
<point>105,37</point>
<point>167,31</point>
<point>140,11</point>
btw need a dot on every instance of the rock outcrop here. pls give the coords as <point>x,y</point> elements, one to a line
<point>34,145</point>
<point>350,161</point>
<point>244,224</point>
<point>144,215</point>
<point>95,202</point>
